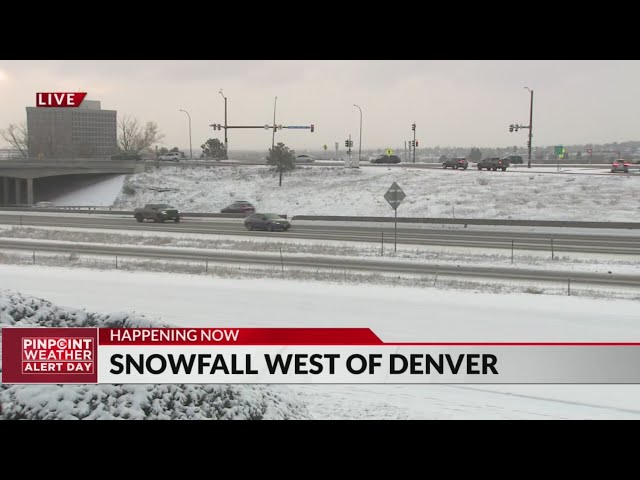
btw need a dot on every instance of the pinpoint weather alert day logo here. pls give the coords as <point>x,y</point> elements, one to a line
<point>34,355</point>
<point>59,99</point>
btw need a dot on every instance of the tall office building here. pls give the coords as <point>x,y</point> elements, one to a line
<point>85,131</point>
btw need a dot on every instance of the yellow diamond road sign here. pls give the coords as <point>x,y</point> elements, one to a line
<point>395,195</point>
<point>389,152</point>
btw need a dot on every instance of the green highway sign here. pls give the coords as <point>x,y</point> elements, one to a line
<point>559,150</point>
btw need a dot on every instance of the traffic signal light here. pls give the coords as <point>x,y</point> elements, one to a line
<point>589,151</point>
<point>346,143</point>
<point>528,143</point>
<point>511,128</point>
<point>311,128</point>
<point>413,126</point>
<point>416,143</point>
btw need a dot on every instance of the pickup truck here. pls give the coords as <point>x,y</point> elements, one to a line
<point>158,212</point>
<point>493,164</point>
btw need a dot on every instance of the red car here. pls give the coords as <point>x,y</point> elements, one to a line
<point>239,206</point>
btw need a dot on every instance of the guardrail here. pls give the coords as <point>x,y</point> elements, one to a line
<point>473,221</point>
<point>101,210</point>
<point>110,211</point>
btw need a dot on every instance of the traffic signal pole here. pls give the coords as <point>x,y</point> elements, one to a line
<point>515,127</point>
<point>413,127</point>
<point>530,129</point>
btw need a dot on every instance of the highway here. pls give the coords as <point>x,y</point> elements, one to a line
<point>323,262</point>
<point>471,238</point>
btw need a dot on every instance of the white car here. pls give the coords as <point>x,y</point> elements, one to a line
<point>171,156</point>
<point>304,159</point>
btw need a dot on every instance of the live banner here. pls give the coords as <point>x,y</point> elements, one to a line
<point>297,355</point>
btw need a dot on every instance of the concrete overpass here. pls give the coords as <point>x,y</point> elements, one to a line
<point>17,176</point>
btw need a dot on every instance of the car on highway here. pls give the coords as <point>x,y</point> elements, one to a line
<point>493,164</point>
<point>158,212</point>
<point>514,159</point>
<point>171,157</point>
<point>304,159</point>
<point>620,166</point>
<point>385,159</point>
<point>456,163</point>
<point>239,206</point>
<point>266,221</point>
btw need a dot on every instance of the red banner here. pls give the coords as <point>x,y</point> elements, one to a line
<point>59,99</point>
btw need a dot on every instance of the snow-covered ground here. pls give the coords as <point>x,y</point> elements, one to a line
<point>394,313</point>
<point>291,248</point>
<point>108,402</point>
<point>430,192</point>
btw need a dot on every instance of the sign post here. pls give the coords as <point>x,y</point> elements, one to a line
<point>394,196</point>
<point>559,152</point>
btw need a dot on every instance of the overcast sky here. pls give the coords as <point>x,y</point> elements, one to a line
<point>454,103</point>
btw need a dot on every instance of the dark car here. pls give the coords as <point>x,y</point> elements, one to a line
<point>158,212</point>
<point>239,206</point>
<point>455,163</point>
<point>493,164</point>
<point>266,221</point>
<point>386,159</point>
<point>620,166</point>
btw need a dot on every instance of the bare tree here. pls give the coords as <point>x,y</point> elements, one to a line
<point>16,136</point>
<point>133,137</point>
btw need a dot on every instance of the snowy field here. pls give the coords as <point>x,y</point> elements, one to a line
<point>292,248</point>
<point>394,313</point>
<point>430,192</point>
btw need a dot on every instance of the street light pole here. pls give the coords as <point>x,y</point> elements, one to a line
<point>530,127</point>
<point>226,142</point>
<point>190,149</point>
<point>360,142</point>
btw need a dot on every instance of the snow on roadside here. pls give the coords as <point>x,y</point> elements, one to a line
<point>430,192</point>
<point>127,401</point>
<point>431,255</point>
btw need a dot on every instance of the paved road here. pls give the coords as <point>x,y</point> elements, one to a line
<point>610,244</point>
<point>543,168</point>
<point>319,262</point>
